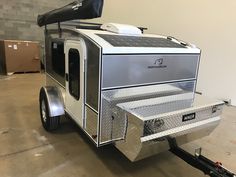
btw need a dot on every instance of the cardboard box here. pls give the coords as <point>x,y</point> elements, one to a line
<point>19,56</point>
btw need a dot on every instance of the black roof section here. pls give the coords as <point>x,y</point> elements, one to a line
<point>80,9</point>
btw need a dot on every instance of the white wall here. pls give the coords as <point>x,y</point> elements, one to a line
<point>210,24</point>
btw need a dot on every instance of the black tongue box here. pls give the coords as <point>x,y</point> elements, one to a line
<point>80,9</point>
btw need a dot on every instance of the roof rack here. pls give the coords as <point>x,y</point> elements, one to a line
<point>75,23</point>
<point>83,25</point>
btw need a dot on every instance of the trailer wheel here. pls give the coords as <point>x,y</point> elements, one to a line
<point>49,123</point>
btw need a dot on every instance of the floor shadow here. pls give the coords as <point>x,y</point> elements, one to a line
<point>113,159</point>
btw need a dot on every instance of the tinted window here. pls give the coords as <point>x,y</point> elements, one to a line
<point>58,58</point>
<point>74,73</point>
<point>55,59</point>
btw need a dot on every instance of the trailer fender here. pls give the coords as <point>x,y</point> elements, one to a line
<point>55,100</point>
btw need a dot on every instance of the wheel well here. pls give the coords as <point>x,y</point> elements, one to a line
<point>54,99</point>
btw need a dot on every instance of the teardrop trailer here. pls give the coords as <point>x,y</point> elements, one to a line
<point>123,87</point>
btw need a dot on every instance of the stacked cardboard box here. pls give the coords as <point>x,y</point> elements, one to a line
<point>19,56</point>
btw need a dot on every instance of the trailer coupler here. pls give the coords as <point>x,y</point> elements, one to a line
<point>208,167</point>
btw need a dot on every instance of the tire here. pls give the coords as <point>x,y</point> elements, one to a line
<point>49,123</point>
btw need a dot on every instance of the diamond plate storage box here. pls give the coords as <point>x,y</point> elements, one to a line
<point>151,121</point>
<point>19,56</point>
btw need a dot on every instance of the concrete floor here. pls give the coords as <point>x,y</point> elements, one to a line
<point>26,150</point>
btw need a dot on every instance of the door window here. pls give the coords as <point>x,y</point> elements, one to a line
<point>74,73</point>
<point>58,58</point>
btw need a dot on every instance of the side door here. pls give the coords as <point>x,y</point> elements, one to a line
<point>75,56</point>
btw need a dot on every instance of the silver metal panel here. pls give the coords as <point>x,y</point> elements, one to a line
<point>148,128</point>
<point>200,102</point>
<point>175,120</point>
<point>127,70</point>
<point>182,130</point>
<point>50,81</point>
<point>154,106</point>
<point>93,87</point>
<point>92,75</point>
<point>112,127</point>
<point>135,150</point>
<point>91,124</point>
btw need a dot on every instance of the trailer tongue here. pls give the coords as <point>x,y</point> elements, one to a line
<point>207,166</point>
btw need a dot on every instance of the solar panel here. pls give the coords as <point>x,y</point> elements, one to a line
<point>137,41</point>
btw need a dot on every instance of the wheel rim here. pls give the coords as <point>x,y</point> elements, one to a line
<point>43,111</point>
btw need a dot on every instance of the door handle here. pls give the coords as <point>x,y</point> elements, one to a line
<point>67,77</point>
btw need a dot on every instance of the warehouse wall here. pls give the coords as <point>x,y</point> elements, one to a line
<point>18,18</point>
<point>210,24</point>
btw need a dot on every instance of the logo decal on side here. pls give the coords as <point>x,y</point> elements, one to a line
<point>188,117</point>
<point>158,63</point>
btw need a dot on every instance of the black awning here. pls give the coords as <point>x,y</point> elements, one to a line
<point>80,9</point>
